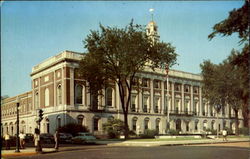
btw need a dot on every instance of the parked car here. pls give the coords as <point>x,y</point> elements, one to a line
<point>83,138</point>
<point>47,138</point>
<point>29,137</point>
<point>65,137</point>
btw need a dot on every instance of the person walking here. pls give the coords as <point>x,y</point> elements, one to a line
<point>22,140</point>
<point>224,134</point>
<point>7,141</point>
<point>56,138</point>
<point>37,140</point>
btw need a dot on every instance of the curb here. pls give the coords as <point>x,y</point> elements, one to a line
<point>173,144</point>
<point>26,153</point>
<point>19,154</point>
<point>221,142</point>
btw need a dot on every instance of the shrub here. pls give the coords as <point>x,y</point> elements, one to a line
<point>149,133</point>
<point>173,132</point>
<point>229,131</point>
<point>213,132</point>
<point>114,128</point>
<point>131,133</point>
<point>244,131</point>
<point>73,129</point>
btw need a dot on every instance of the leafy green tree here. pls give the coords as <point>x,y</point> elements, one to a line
<point>238,22</point>
<point>114,127</point>
<point>117,55</point>
<point>222,86</point>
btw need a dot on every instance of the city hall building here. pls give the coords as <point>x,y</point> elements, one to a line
<point>65,98</point>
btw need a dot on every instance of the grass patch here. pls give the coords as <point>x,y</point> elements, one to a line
<point>170,139</point>
<point>240,136</point>
<point>110,139</point>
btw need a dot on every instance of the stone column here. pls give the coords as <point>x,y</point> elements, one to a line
<point>72,93</point>
<point>162,107</point>
<point>192,99</point>
<point>200,101</point>
<point>140,106</point>
<point>63,86</point>
<point>55,89</point>
<point>88,96</point>
<point>208,109</point>
<point>173,97</point>
<point>182,98</point>
<point>151,96</point>
<point>39,94</point>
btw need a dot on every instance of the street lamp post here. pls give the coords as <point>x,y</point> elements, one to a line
<point>17,125</point>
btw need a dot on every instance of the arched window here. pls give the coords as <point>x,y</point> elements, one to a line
<point>47,125</point>
<point>78,94</point>
<point>204,125</point>
<point>58,118</point>
<point>134,121</point>
<point>212,125</point>
<point>46,97</point>
<point>96,123</point>
<point>187,126</point>
<point>178,125</point>
<point>196,125</point>
<point>157,125</point>
<point>146,123</point>
<point>59,95</point>
<point>36,100</point>
<point>109,94</point>
<point>80,119</point>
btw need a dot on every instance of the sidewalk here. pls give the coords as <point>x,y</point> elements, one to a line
<point>176,143</point>
<point>25,152</point>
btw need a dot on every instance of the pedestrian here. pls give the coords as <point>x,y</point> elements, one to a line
<point>224,134</point>
<point>56,138</point>
<point>22,140</point>
<point>7,141</point>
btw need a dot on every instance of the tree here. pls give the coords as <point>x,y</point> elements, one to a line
<point>237,22</point>
<point>114,127</point>
<point>222,86</point>
<point>117,56</point>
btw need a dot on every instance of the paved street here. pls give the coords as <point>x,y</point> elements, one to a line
<point>210,151</point>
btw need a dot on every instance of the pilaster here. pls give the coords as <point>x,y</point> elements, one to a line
<point>182,98</point>
<point>162,109</point>
<point>151,96</point>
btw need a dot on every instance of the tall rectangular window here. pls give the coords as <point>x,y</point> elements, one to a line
<point>96,124</point>
<point>145,104</point>
<point>133,105</point>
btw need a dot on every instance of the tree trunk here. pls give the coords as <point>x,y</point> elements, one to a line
<point>125,113</point>
<point>245,113</point>
<point>126,132</point>
<point>236,123</point>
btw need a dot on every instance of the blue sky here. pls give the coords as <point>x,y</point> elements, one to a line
<point>34,31</point>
